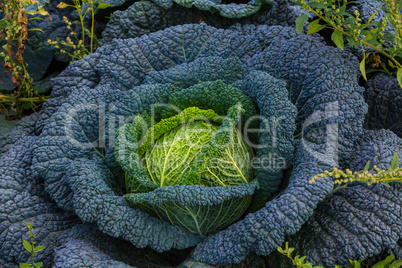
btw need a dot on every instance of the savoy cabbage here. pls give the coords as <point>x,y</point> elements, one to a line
<point>308,96</point>
<point>89,162</point>
<point>144,17</point>
<point>132,74</point>
<point>193,156</point>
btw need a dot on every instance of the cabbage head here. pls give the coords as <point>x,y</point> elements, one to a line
<point>171,159</point>
<point>196,148</point>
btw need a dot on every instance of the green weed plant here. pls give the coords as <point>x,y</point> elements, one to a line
<point>30,247</point>
<point>79,47</point>
<point>348,26</point>
<point>342,178</point>
<point>14,31</point>
<point>301,262</point>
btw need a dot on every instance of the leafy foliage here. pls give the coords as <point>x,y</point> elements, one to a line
<point>356,32</point>
<point>144,17</point>
<point>25,127</point>
<point>83,245</point>
<point>30,247</point>
<point>308,90</point>
<point>80,49</point>
<point>301,262</point>
<point>287,76</point>
<point>14,31</point>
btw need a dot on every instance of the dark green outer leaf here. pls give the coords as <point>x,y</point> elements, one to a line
<point>229,11</point>
<point>385,263</point>
<point>188,195</point>
<point>399,76</point>
<point>384,95</point>
<point>395,162</point>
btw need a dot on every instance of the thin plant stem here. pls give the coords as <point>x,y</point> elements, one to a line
<point>92,28</point>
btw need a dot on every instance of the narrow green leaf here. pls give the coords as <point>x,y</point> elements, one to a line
<point>290,250</point>
<point>300,22</point>
<point>372,16</point>
<point>352,42</point>
<point>366,168</point>
<point>33,12</point>
<point>399,76</point>
<point>337,37</point>
<point>39,248</point>
<point>27,246</point>
<point>384,172</point>
<point>25,265</point>
<point>385,262</point>
<point>396,264</point>
<point>391,64</point>
<point>350,20</point>
<point>103,6</point>
<point>43,12</point>
<point>38,264</point>
<point>36,29</point>
<point>63,5</point>
<point>386,184</point>
<point>36,19</point>
<point>364,26</point>
<point>394,163</point>
<point>363,68</point>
